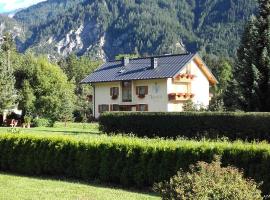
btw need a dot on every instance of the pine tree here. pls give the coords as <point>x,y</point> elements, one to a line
<point>263,54</point>
<point>246,74</point>
<point>252,72</point>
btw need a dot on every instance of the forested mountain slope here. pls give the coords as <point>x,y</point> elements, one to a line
<point>105,28</point>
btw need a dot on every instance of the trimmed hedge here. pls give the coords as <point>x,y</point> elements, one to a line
<point>130,162</point>
<point>244,126</point>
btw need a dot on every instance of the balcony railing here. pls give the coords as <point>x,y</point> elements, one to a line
<point>180,96</point>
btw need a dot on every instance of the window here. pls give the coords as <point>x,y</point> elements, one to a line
<point>141,91</point>
<point>126,108</point>
<point>114,107</point>
<point>126,91</point>
<point>103,108</point>
<point>142,107</point>
<point>114,92</point>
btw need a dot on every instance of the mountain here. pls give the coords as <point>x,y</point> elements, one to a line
<point>105,28</point>
<point>8,24</point>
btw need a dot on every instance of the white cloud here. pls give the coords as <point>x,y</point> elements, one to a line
<point>10,5</point>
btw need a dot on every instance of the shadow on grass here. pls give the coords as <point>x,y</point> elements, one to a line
<point>96,183</point>
<point>63,131</point>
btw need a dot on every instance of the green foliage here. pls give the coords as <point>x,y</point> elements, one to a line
<point>253,64</point>
<point>45,89</point>
<point>42,122</point>
<point>189,106</point>
<point>209,181</point>
<point>144,27</point>
<point>126,161</point>
<point>7,79</point>
<point>245,126</point>
<point>27,119</point>
<point>222,69</point>
<point>27,97</point>
<point>246,72</point>
<point>76,69</point>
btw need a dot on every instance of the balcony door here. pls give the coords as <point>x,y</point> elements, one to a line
<point>127,91</point>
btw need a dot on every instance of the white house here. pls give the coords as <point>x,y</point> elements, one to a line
<point>155,84</point>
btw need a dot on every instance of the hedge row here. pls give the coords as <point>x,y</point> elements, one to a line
<point>130,162</point>
<point>245,126</point>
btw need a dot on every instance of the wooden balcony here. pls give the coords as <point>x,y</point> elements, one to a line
<point>180,96</point>
<point>183,78</point>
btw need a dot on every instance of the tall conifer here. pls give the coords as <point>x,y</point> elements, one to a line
<point>252,71</point>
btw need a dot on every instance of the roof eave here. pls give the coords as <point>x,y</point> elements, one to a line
<point>208,73</point>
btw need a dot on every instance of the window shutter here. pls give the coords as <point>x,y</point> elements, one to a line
<point>111,107</point>
<point>137,107</point>
<point>117,91</point>
<point>146,107</point>
<point>137,90</point>
<point>99,108</point>
<point>146,90</point>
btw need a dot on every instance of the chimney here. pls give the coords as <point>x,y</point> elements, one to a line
<point>154,63</point>
<point>125,61</point>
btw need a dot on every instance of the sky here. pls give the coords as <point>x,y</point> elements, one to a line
<point>11,5</point>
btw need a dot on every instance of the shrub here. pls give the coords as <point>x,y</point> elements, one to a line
<point>126,161</point>
<point>245,126</point>
<point>209,181</point>
<point>27,119</point>
<point>42,122</point>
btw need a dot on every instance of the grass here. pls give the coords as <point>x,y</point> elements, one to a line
<point>24,188</point>
<point>79,131</point>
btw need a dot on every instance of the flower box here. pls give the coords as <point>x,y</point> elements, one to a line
<point>141,96</point>
<point>114,97</point>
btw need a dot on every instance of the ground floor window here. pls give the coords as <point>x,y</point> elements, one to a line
<point>103,108</point>
<point>115,107</point>
<point>142,107</point>
<point>125,108</point>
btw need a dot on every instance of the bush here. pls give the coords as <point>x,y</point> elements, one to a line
<point>245,126</point>
<point>209,181</point>
<point>42,122</point>
<point>126,161</point>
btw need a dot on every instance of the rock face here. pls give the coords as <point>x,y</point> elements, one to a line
<point>104,28</point>
<point>8,24</point>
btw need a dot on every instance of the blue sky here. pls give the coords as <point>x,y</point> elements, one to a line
<point>10,5</point>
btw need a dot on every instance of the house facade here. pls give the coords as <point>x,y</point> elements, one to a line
<point>154,84</point>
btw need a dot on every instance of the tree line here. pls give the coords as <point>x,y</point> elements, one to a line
<point>43,88</point>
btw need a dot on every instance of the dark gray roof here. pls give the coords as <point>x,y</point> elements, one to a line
<point>139,69</point>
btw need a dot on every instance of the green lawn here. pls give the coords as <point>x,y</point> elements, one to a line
<point>23,188</point>
<point>89,131</point>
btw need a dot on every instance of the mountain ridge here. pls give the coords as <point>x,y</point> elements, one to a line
<point>103,29</point>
